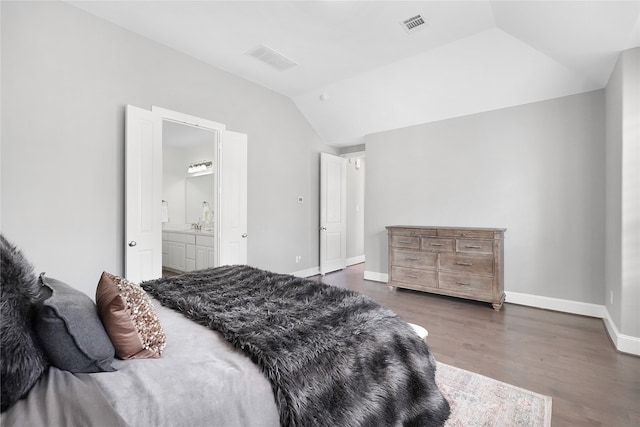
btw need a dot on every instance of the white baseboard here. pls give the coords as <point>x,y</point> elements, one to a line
<point>376,277</point>
<point>355,260</point>
<point>623,343</point>
<point>557,304</point>
<point>313,271</point>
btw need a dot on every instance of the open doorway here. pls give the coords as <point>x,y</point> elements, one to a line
<point>189,197</point>
<point>144,210</point>
<point>342,181</point>
<point>356,170</point>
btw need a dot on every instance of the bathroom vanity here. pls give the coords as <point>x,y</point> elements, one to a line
<point>190,250</point>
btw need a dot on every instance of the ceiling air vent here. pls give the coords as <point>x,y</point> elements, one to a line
<point>414,24</point>
<point>276,60</point>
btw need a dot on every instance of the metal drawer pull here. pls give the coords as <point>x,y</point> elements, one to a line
<point>436,244</point>
<point>411,258</point>
<point>464,283</point>
<point>404,242</point>
<point>473,246</point>
<point>466,264</point>
<point>412,277</point>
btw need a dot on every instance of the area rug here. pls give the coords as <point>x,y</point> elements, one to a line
<point>477,401</point>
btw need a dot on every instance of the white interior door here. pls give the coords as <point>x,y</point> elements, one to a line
<point>233,199</point>
<point>143,193</point>
<point>333,213</point>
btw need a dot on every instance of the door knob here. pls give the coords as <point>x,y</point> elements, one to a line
<point>244,235</point>
<point>323,228</point>
<point>132,243</point>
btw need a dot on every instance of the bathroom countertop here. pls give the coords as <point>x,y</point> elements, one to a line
<point>196,232</point>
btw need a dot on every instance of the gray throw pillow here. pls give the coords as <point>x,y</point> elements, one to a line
<point>70,330</point>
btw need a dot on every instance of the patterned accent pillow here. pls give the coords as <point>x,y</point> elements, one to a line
<point>129,317</point>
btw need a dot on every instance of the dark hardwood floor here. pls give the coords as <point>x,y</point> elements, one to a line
<point>565,356</point>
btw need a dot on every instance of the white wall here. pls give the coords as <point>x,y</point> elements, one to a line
<point>66,78</point>
<point>536,170</point>
<point>613,218</point>
<point>622,292</point>
<point>631,196</point>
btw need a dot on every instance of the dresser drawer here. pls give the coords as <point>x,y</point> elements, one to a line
<point>414,259</point>
<point>482,265</point>
<point>434,244</point>
<point>474,246</point>
<point>465,283</point>
<point>409,242</point>
<point>414,232</point>
<point>478,234</point>
<point>422,278</point>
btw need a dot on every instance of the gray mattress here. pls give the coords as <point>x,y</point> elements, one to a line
<point>200,380</point>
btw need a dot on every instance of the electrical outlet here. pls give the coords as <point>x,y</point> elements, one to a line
<point>298,258</point>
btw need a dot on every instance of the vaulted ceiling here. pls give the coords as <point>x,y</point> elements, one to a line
<point>359,71</point>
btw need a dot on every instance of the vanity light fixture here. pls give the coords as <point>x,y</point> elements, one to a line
<point>200,166</point>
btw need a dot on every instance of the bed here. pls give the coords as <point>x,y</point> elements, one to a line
<point>242,347</point>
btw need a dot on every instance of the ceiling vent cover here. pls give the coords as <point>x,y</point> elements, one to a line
<point>414,24</point>
<point>265,54</point>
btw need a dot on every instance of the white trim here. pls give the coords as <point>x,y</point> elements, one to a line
<point>376,277</point>
<point>313,271</point>
<point>557,304</point>
<point>355,260</point>
<point>176,116</point>
<point>623,343</point>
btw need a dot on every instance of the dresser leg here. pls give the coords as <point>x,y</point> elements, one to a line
<point>498,305</point>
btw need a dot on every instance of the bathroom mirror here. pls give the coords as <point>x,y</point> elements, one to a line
<point>199,190</point>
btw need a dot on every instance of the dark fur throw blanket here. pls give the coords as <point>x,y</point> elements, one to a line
<point>334,357</point>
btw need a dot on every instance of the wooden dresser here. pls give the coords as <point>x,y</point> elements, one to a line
<point>456,261</point>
